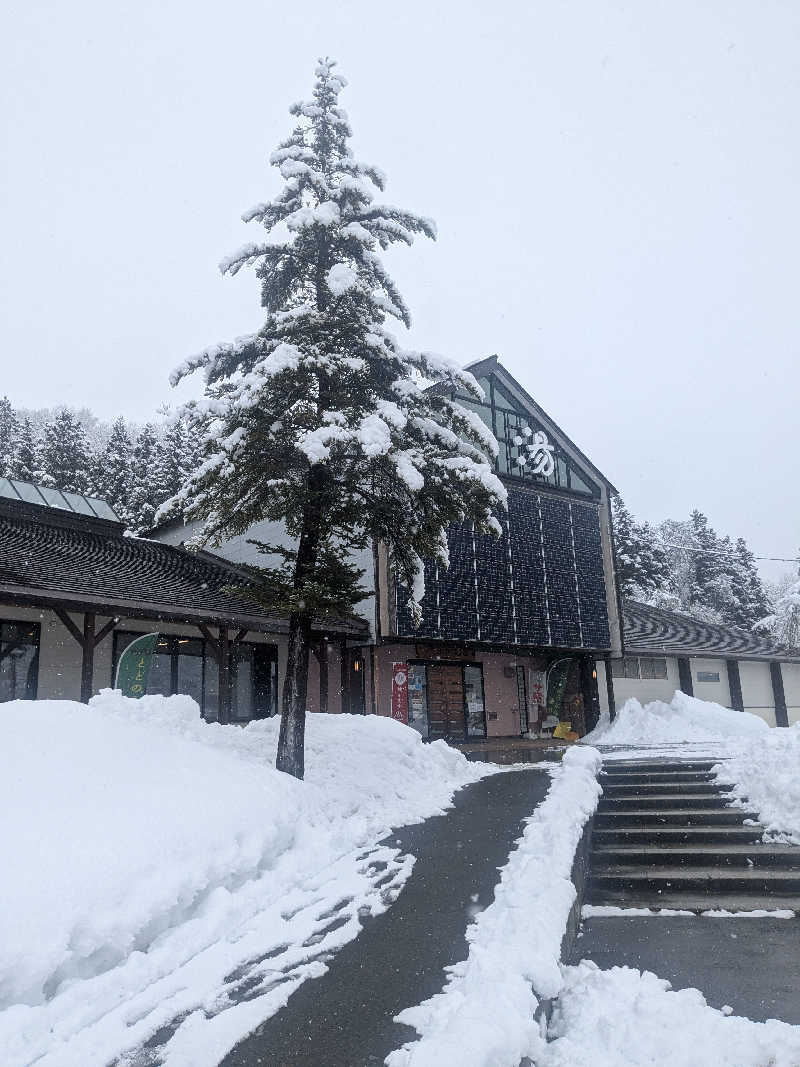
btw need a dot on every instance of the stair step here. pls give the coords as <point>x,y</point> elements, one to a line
<point>664,802</point>
<point>698,879</point>
<point>663,834</point>
<point>673,817</point>
<point>696,902</point>
<point>653,777</point>
<point>648,855</point>
<point>664,789</point>
<point>657,766</point>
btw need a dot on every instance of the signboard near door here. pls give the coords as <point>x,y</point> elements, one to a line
<point>400,692</point>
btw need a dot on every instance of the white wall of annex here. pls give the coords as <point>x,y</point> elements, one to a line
<point>718,692</point>
<point>757,695</point>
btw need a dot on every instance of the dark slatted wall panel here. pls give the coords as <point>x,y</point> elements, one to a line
<point>457,587</point>
<point>494,587</point>
<point>562,600</point>
<point>526,556</point>
<point>589,564</point>
<point>430,615</point>
<point>530,598</point>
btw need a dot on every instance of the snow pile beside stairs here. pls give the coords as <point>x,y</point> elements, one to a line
<point>765,776</point>
<point>486,1012</point>
<point>134,834</point>
<point>685,718</point>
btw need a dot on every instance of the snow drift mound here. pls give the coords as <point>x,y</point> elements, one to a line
<point>123,817</point>
<point>685,718</point>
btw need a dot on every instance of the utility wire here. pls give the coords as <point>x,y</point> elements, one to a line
<point>712,552</point>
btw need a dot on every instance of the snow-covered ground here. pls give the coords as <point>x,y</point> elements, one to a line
<point>627,1017</point>
<point>684,720</point>
<point>485,1014</point>
<point>159,872</point>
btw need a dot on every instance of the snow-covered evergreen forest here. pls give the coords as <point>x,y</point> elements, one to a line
<point>686,566</point>
<point>134,467</point>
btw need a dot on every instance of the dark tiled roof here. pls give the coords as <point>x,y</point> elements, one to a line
<point>649,629</point>
<point>57,558</point>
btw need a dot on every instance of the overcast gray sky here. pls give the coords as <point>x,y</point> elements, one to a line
<point>615,184</point>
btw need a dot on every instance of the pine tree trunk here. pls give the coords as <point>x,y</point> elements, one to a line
<point>291,740</point>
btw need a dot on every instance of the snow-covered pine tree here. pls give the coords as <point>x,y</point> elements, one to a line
<point>9,430</point>
<point>176,457</point>
<point>750,603</point>
<point>642,566</point>
<point>65,455</point>
<point>783,621</point>
<point>113,479</point>
<point>25,464</point>
<point>322,420</point>
<point>145,499</point>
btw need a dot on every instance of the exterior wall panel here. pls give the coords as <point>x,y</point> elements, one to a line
<point>757,695</point>
<point>791,687</point>
<point>718,692</point>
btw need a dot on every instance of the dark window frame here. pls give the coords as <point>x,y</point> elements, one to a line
<point>268,650</point>
<point>32,682</point>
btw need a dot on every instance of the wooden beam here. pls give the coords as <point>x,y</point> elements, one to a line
<point>240,636</point>
<point>70,625</point>
<point>213,643</point>
<point>103,634</point>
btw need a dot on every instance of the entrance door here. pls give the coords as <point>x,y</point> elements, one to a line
<point>446,702</point>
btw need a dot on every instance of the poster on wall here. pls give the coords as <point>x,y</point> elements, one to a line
<point>400,692</point>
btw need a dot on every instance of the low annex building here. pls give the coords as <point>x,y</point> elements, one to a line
<point>666,651</point>
<point>75,590</point>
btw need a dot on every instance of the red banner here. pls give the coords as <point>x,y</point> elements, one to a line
<point>400,692</point>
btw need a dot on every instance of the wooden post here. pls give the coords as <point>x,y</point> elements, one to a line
<point>87,659</point>
<point>776,675</point>
<point>345,672</point>
<point>735,684</point>
<point>685,675</point>
<point>612,707</point>
<point>323,675</point>
<point>224,675</point>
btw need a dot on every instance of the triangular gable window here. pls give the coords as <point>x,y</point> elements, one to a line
<point>516,431</point>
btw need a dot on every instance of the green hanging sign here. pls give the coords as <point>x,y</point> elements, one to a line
<point>556,686</point>
<point>134,666</point>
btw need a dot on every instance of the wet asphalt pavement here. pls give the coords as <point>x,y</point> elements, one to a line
<point>345,1018</point>
<point>751,964</point>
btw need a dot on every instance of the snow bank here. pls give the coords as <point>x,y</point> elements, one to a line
<point>765,777</point>
<point>141,843</point>
<point>485,1014</point>
<point>684,719</point>
<point>607,1018</point>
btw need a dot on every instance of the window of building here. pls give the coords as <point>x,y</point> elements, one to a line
<point>19,660</point>
<point>507,416</point>
<point>708,676</point>
<point>645,668</point>
<point>186,665</point>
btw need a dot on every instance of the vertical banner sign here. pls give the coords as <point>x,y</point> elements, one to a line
<point>538,697</point>
<point>400,692</point>
<point>134,666</point>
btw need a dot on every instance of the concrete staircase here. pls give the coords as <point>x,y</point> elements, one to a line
<point>665,836</point>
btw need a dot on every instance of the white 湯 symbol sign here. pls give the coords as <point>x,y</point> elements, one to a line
<point>400,678</point>
<point>536,454</point>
